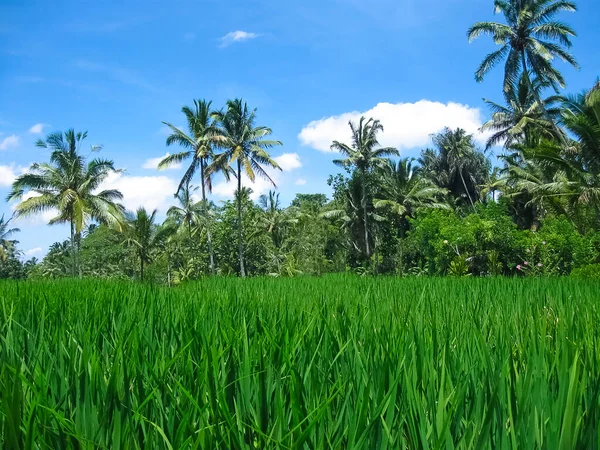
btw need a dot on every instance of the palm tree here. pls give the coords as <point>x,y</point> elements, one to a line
<point>521,120</point>
<point>191,216</point>
<point>564,179</point>
<point>455,165</point>
<point>142,233</point>
<point>530,40</point>
<point>275,218</point>
<point>199,144</point>
<point>403,189</point>
<point>183,215</point>
<point>244,145</point>
<point>70,186</point>
<point>364,154</point>
<point>6,245</point>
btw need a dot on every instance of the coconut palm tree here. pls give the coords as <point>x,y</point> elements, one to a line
<point>244,149</point>
<point>199,145</point>
<point>191,216</point>
<point>6,244</point>
<point>143,234</point>
<point>69,185</point>
<point>403,189</point>
<point>455,165</point>
<point>363,155</point>
<point>529,42</point>
<point>521,120</point>
<point>275,219</point>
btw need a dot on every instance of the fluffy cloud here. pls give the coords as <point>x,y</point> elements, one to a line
<point>406,125</point>
<point>33,251</point>
<point>237,36</point>
<point>288,161</point>
<point>152,163</point>
<point>38,128</point>
<point>9,173</point>
<point>9,142</point>
<point>300,182</point>
<point>155,192</point>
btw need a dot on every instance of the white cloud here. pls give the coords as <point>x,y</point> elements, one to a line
<point>38,128</point>
<point>7,175</point>
<point>152,163</point>
<point>9,142</point>
<point>406,125</point>
<point>300,182</point>
<point>237,36</point>
<point>33,251</point>
<point>288,161</point>
<point>152,192</point>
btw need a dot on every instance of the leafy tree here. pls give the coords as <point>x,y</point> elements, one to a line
<point>275,219</point>
<point>69,186</point>
<point>364,154</point>
<point>403,189</point>
<point>529,41</point>
<point>198,145</point>
<point>142,234</point>
<point>456,165</point>
<point>6,244</point>
<point>244,147</point>
<point>563,180</point>
<point>521,121</point>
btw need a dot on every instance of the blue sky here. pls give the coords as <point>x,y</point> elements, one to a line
<point>117,69</point>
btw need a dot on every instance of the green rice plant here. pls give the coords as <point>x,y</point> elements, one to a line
<point>336,362</point>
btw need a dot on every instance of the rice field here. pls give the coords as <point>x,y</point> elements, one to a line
<point>337,362</point>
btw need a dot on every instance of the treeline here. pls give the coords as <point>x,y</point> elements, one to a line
<point>448,212</point>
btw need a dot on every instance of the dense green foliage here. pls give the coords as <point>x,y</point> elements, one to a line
<point>447,212</point>
<point>331,362</point>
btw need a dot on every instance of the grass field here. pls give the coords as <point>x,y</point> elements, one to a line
<point>336,362</point>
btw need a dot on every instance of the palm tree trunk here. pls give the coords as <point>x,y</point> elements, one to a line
<point>538,99</point>
<point>78,254</point>
<point>141,268</point>
<point>208,236</point>
<point>466,190</point>
<point>73,255</point>
<point>365,219</point>
<point>239,211</point>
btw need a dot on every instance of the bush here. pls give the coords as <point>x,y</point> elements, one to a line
<point>589,272</point>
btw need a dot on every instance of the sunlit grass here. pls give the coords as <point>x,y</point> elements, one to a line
<point>336,362</point>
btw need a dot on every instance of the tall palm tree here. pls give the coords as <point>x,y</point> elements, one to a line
<point>244,147</point>
<point>68,185</point>
<point>198,145</point>
<point>520,120</point>
<point>529,41</point>
<point>455,164</point>
<point>6,244</point>
<point>403,189</point>
<point>143,234</point>
<point>364,154</point>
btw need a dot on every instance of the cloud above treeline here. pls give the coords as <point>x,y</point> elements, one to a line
<point>406,125</point>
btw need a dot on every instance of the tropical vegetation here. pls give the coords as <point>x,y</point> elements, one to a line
<point>460,208</point>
